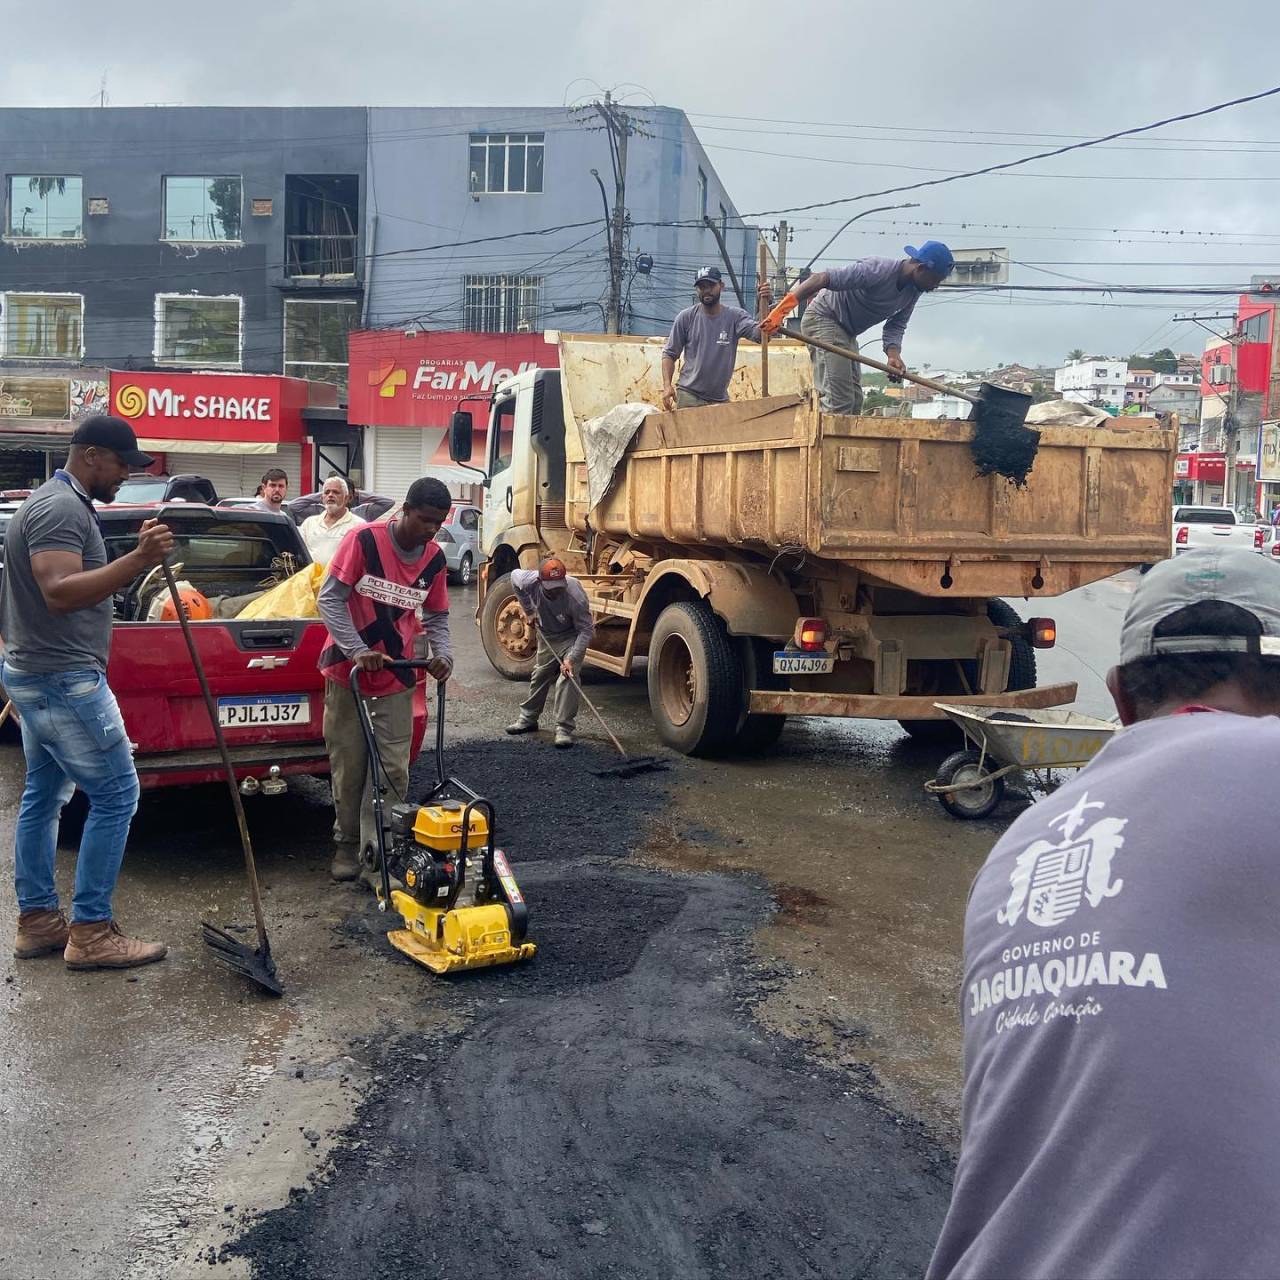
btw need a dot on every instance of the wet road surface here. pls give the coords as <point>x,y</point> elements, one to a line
<point>738,1044</point>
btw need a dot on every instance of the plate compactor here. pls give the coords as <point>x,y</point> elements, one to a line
<point>438,848</point>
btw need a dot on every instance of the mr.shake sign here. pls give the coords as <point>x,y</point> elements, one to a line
<point>401,380</point>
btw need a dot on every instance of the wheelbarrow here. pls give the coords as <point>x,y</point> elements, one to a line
<point>971,783</point>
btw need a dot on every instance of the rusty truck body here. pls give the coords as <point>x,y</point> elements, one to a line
<point>770,560</point>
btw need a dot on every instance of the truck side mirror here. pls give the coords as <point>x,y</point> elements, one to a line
<point>461,435</point>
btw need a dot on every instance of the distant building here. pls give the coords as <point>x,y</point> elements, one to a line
<point>1139,386</point>
<point>1176,393</point>
<point>942,407</point>
<point>1095,380</point>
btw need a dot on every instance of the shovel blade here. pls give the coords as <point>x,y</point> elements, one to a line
<point>258,966</point>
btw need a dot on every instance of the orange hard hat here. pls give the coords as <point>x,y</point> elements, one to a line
<point>197,606</point>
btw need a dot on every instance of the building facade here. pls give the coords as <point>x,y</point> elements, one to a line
<point>250,240</point>
<point>1096,381</point>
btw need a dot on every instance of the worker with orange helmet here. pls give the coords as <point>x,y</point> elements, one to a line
<point>557,606</point>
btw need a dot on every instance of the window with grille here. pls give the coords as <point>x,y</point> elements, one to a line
<point>502,304</point>
<point>196,330</point>
<point>42,326</point>
<point>45,207</point>
<point>506,163</point>
<point>315,338</point>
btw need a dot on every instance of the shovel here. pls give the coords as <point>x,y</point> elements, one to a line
<point>255,965</point>
<point>1002,442</point>
<point>630,765</point>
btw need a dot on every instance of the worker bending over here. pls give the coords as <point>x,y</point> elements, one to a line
<point>557,605</point>
<point>382,577</point>
<point>706,334</point>
<point>852,299</point>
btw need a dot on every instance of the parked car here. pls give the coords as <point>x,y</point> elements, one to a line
<point>144,487</point>
<point>1214,527</point>
<point>459,538</point>
<point>370,506</point>
<point>263,674</point>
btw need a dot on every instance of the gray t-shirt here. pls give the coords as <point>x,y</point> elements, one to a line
<point>56,517</point>
<point>1121,1025</point>
<point>263,505</point>
<point>865,292</point>
<point>710,347</point>
<point>561,612</point>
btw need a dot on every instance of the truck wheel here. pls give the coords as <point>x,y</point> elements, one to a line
<point>510,643</point>
<point>695,680</point>
<point>757,733</point>
<point>1022,675</point>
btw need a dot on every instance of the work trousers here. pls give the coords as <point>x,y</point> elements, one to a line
<point>349,772</point>
<point>837,381</point>
<point>72,736</point>
<point>546,672</point>
<point>691,399</point>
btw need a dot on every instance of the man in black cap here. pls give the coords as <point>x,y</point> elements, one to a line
<point>707,335</point>
<point>55,617</point>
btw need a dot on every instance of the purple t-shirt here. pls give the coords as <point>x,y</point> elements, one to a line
<point>710,347</point>
<point>1121,1020</point>
<point>864,293</point>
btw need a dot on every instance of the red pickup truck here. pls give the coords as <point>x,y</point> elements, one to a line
<point>269,691</point>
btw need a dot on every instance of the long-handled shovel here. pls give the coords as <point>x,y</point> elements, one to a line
<point>254,964</point>
<point>631,765</point>
<point>1002,442</point>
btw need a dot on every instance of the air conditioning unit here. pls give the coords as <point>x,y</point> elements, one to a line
<point>1219,375</point>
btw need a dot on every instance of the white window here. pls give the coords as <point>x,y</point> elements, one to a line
<point>198,331</point>
<point>702,194</point>
<point>502,304</point>
<point>42,326</point>
<point>44,207</point>
<point>315,338</point>
<point>506,163</point>
<point>202,210</point>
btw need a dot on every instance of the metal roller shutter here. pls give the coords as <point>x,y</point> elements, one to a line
<point>397,460</point>
<point>237,475</point>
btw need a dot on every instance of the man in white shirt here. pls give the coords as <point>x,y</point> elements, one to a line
<point>322,533</point>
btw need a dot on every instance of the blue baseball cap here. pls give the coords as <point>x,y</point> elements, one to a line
<point>935,255</point>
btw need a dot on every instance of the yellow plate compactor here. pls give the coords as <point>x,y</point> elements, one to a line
<point>436,850</point>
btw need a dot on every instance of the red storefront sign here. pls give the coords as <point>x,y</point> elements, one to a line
<point>1209,468</point>
<point>398,380</point>
<point>186,410</point>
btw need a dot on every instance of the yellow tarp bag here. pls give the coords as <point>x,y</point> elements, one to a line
<point>295,597</point>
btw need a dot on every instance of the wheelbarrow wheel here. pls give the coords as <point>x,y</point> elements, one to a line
<point>981,794</point>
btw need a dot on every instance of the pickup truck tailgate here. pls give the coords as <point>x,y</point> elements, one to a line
<point>264,675</point>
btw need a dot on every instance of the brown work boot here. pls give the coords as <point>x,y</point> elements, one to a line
<point>39,933</point>
<point>99,944</point>
<point>345,864</point>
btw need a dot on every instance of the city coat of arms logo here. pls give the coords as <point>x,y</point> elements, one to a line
<point>1051,880</point>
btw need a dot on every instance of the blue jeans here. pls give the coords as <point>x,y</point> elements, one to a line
<point>73,736</point>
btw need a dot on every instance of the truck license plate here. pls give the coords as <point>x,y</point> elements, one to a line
<point>806,664</point>
<point>268,709</point>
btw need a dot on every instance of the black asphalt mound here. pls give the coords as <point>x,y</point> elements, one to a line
<point>612,1109</point>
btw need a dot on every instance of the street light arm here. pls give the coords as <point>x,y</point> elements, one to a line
<point>884,208</point>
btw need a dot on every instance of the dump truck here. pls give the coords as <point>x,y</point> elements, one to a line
<point>769,560</point>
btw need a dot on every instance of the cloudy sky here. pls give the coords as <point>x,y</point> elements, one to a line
<point>803,102</point>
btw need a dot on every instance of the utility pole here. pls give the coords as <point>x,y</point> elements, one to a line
<point>781,233</point>
<point>619,126</point>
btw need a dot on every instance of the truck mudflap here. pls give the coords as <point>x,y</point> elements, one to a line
<point>870,706</point>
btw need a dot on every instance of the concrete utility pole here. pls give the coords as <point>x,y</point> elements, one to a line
<point>781,233</point>
<point>619,126</point>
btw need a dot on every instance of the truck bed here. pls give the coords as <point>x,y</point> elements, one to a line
<point>899,499</point>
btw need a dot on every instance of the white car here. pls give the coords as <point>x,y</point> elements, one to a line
<point>1215,527</point>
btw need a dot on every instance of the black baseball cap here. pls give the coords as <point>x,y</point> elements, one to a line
<point>115,434</point>
<point>709,273</point>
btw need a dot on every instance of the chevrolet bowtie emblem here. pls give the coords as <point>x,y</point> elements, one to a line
<point>269,663</point>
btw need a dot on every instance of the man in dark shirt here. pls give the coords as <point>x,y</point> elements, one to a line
<point>706,334</point>
<point>55,616</point>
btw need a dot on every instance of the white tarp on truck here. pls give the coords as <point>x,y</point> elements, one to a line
<point>604,441</point>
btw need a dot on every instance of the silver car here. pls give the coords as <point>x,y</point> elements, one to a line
<point>459,539</point>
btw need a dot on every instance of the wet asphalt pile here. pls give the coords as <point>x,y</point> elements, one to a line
<point>611,1108</point>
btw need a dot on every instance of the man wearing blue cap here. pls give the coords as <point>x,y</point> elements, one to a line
<point>853,298</point>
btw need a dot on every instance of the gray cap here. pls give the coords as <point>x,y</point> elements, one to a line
<point>1234,576</point>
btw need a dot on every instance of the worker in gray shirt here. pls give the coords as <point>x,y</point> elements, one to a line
<point>850,299</point>
<point>558,606</point>
<point>56,618</point>
<point>1121,1025</point>
<point>706,334</point>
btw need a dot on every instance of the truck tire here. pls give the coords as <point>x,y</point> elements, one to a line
<point>695,680</point>
<point>510,643</point>
<point>757,733</point>
<point>1022,675</point>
